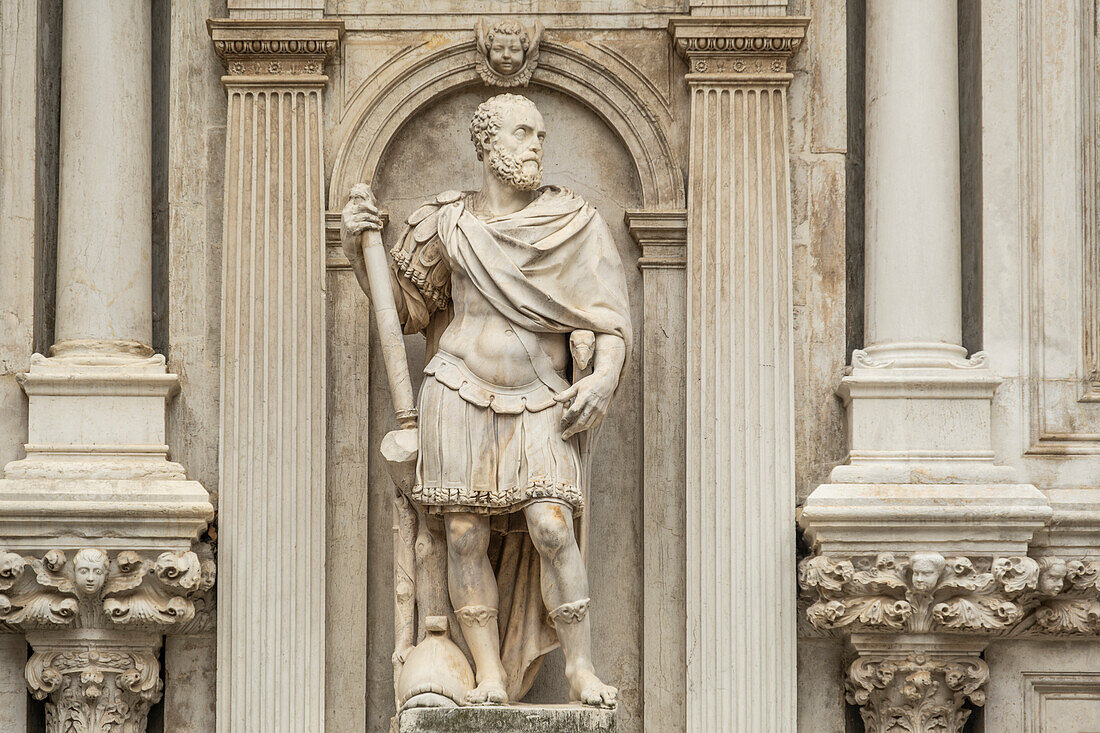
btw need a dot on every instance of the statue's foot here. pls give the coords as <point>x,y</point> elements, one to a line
<point>585,687</point>
<point>488,692</point>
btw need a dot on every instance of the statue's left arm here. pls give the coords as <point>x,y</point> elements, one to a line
<point>588,399</point>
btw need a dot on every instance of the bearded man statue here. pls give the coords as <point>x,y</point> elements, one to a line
<point>514,285</point>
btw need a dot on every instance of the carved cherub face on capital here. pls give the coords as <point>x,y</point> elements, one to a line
<point>90,571</point>
<point>508,132</point>
<point>925,569</point>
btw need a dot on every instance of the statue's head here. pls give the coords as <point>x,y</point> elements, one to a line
<point>507,131</point>
<point>90,570</point>
<point>925,569</point>
<point>506,44</point>
<point>1052,575</point>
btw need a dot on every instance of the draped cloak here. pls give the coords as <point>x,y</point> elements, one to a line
<point>551,267</point>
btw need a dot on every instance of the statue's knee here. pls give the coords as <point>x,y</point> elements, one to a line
<point>467,537</point>
<point>550,533</point>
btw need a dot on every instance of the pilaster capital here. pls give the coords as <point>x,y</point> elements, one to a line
<point>661,235</point>
<point>916,691</point>
<point>747,50</point>
<point>95,681</point>
<point>275,51</point>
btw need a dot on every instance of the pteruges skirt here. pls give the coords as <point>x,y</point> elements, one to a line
<point>489,449</point>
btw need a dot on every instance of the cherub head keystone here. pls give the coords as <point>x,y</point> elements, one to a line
<point>508,52</point>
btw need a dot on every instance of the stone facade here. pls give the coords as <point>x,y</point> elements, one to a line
<point>850,479</point>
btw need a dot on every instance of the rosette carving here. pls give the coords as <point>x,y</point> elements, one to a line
<point>924,593</point>
<point>916,693</point>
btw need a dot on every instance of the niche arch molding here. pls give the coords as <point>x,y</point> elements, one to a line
<point>612,88</point>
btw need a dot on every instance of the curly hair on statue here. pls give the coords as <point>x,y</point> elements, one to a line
<point>486,121</point>
<point>508,27</point>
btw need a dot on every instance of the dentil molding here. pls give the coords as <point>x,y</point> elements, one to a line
<point>254,47</point>
<point>750,47</point>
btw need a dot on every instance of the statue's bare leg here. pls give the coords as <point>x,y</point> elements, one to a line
<point>565,593</point>
<point>474,597</point>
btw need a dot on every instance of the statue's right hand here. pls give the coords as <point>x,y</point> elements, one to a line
<point>359,215</point>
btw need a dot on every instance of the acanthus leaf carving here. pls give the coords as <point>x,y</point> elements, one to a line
<point>924,593</point>
<point>91,689</point>
<point>916,693</point>
<point>54,591</point>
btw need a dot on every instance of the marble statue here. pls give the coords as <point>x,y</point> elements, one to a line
<point>516,286</point>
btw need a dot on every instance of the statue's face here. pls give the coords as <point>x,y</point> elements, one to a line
<point>90,572</point>
<point>1053,578</point>
<point>925,574</point>
<point>516,149</point>
<point>506,54</point>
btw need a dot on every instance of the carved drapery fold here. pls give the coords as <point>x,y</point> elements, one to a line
<point>740,464</point>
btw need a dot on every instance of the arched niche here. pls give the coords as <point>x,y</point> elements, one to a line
<point>613,89</point>
<point>430,152</point>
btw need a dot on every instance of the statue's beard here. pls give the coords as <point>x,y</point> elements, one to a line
<point>526,175</point>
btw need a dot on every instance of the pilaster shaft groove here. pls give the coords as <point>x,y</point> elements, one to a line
<point>272,521</point>
<point>740,480</point>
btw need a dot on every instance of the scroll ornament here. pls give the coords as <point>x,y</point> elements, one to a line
<point>916,693</point>
<point>1011,596</point>
<point>129,591</point>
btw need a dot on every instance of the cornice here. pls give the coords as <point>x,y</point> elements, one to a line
<point>279,48</point>
<point>737,48</point>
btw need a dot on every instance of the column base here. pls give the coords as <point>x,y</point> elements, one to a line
<point>508,719</point>
<point>952,519</point>
<point>97,468</point>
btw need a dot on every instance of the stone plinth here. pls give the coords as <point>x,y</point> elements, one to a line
<point>509,719</point>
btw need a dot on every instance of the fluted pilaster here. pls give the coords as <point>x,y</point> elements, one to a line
<point>662,237</point>
<point>272,522</point>
<point>740,478</point>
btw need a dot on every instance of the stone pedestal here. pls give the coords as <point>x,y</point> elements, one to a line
<point>271,618</point>
<point>508,719</point>
<point>740,375</point>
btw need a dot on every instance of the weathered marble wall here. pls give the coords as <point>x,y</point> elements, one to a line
<point>187,285</point>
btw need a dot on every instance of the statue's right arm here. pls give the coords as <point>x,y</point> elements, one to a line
<point>359,215</point>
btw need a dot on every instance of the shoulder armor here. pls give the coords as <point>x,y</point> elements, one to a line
<point>448,197</point>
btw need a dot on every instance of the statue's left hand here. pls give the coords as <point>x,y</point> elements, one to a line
<point>588,402</point>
